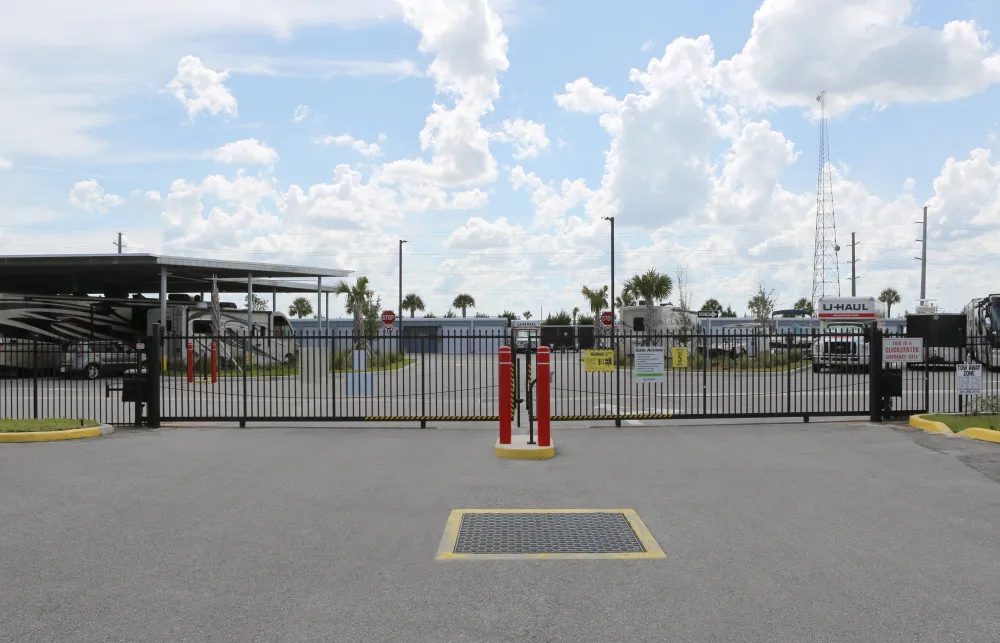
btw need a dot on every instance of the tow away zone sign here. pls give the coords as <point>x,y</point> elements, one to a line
<point>903,349</point>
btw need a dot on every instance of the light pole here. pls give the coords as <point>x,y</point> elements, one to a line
<point>611,302</point>
<point>399,311</point>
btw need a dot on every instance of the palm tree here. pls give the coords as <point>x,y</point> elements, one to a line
<point>627,298</point>
<point>576,311</point>
<point>712,306</point>
<point>804,304</point>
<point>651,286</point>
<point>527,314</point>
<point>463,301</point>
<point>889,297</point>
<point>359,301</point>
<point>413,303</point>
<point>597,300</point>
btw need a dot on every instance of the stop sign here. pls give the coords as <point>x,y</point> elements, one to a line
<point>388,317</point>
<point>606,318</point>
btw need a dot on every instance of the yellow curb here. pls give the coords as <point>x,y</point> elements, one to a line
<point>975,433</point>
<point>918,422</point>
<point>519,449</point>
<point>51,436</point>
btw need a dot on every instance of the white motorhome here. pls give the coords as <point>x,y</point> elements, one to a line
<point>983,328</point>
<point>271,338</point>
<point>844,322</point>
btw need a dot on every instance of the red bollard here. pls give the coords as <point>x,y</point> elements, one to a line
<point>190,362</point>
<point>544,396</point>
<point>506,394</point>
<point>215,363</point>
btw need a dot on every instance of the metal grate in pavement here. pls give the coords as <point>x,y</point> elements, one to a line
<point>546,533</point>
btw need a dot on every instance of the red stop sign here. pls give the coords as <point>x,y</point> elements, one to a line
<point>388,317</point>
<point>606,318</point>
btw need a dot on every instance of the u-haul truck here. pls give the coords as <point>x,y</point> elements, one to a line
<point>843,322</point>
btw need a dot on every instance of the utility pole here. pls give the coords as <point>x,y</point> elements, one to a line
<point>119,244</point>
<point>854,276</point>
<point>399,311</point>
<point>923,259</point>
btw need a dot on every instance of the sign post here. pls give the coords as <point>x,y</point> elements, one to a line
<point>969,379</point>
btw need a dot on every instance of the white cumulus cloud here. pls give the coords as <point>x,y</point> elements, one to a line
<point>528,137</point>
<point>89,195</point>
<point>470,50</point>
<point>581,95</point>
<point>858,51</point>
<point>201,89</point>
<point>361,147</point>
<point>248,151</point>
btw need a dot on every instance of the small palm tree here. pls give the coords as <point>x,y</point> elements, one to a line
<point>576,311</point>
<point>462,302</point>
<point>359,302</point>
<point>413,303</point>
<point>651,286</point>
<point>527,314</point>
<point>597,301</point>
<point>889,297</point>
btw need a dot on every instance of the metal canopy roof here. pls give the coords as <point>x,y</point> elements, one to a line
<point>265,286</point>
<point>139,273</point>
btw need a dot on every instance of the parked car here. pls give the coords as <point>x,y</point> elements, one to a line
<point>97,359</point>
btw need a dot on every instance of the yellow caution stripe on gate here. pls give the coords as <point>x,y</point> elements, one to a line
<point>433,418</point>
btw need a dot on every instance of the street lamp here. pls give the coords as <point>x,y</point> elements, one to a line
<point>399,311</point>
<point>614,347</point>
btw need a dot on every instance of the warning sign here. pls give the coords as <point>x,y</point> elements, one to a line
<point>598,361</point>
<point>680,356</point>
<point>969,379</point>
<point>903,349</point>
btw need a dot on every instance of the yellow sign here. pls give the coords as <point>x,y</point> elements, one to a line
<point>680,356</point>
<point>595,361</point>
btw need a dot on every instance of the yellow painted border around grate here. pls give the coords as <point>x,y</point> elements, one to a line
<point>446,549</point>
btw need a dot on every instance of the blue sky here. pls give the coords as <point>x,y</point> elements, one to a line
<point>706,155</point>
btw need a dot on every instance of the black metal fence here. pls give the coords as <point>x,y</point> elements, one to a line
<point>454,376</point>
<point>449,376</point>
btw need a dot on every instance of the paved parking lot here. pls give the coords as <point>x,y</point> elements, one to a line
<point>772,532</point>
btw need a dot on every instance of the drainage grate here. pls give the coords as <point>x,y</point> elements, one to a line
<point>546,533</point>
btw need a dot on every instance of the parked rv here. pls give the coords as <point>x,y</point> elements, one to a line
<point>944,334</point>
<point>983,325</point>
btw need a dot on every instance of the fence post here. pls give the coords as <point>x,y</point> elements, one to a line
<point>34,376</point>
<point>615,338</point>
<point>874,374</point>
<point>544,396</point>
<point>788,372</point>
<point>246,365</point>
<point>153,365</point>
<point>506,393</point>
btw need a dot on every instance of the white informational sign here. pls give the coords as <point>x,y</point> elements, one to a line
<point>649,364</point>
<point>969,379</point>
<point>903,349</point>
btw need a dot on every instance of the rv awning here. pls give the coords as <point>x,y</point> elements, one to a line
<point>123,274</point>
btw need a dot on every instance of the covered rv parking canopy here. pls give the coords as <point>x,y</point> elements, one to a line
<point>119,275</point>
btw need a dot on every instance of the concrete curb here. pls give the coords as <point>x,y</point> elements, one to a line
<point>53,436</point>
<point>973,433</point>
<point>918,422</point>
<point>519,449</point>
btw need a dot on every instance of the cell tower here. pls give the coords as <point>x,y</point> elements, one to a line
<point>826,271</point>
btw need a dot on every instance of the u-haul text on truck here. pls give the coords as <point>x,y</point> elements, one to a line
<point>843,325</point>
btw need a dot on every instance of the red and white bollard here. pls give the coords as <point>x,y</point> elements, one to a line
<point>190,362</point>
<point>544,397</point>
<point>506,394</point>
